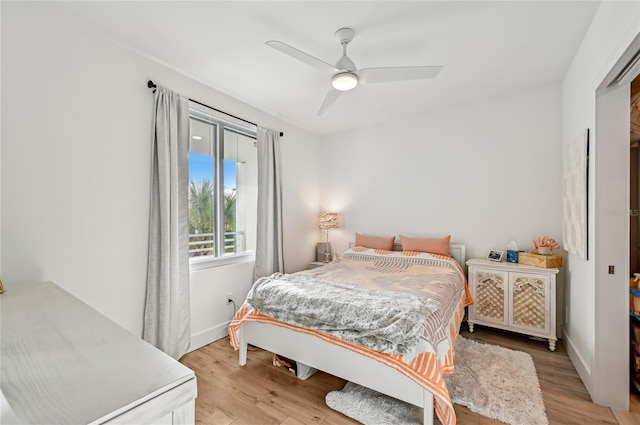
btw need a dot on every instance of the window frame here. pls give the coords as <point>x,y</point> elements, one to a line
<point>210,116</point>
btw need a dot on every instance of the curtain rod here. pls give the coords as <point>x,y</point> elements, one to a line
<point>152,85</point>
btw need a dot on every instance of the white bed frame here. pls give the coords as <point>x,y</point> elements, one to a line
<point>339,361</point>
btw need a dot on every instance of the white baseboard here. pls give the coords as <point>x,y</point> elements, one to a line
<point>208,336</point>
<point>583,368</point>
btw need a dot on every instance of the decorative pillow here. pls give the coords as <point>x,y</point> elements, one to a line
<point>431,245</point>
<point>375,242</point>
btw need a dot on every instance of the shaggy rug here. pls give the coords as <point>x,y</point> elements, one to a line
<point>493,381</point>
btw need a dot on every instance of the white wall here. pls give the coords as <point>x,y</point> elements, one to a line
<point>614,27</point>
<point>211,314</point>
<point>76,134</point>
<point>486,172</point>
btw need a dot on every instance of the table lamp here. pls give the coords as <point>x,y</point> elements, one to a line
<point>328,221</point>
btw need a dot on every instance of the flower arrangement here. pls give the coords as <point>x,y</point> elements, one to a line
<point>545,245</point>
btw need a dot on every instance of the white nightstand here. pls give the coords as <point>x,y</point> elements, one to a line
<point>316,264</point>
<point>514,297</point>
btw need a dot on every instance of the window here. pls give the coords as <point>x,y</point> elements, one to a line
<point>223,189</point>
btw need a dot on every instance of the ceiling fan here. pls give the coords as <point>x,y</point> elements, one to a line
<point>345,75</point>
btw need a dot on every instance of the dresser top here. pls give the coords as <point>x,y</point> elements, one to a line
<point>63,362</point>
<point>505,265</point>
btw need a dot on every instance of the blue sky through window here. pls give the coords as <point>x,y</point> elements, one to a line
<point>201,168</point>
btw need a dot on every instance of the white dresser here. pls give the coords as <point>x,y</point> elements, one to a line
<point>513,297</point>
<point>62,362</point>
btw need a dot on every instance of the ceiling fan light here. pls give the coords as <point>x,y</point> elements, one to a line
<point>344,81</point>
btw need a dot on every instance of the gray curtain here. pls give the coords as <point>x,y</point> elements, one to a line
<point>167,315</point>
<point>269,258</point>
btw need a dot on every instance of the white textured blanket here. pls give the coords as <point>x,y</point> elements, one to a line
<point>387,321</point>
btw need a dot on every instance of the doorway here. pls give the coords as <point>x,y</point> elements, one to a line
<point>634,242</point>
<point>610,371</point>
<point>617,231</point>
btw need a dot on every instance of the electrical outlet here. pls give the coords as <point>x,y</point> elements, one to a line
<point>229,297</point>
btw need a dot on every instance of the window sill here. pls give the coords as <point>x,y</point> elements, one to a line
<point>196,264</point>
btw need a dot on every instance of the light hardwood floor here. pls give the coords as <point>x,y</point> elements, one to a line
<point>262,394</point>
<point>632,417</point>
<point>634,404</point>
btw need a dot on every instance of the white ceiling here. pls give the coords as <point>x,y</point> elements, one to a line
<point>486,48</point>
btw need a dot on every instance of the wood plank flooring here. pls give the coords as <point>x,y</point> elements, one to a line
<point>262,394</point>
<point>632,417</point>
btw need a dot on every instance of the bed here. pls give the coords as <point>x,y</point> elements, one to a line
<point>415,377</point>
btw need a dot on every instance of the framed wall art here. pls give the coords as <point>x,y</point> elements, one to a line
<point>575,189</point>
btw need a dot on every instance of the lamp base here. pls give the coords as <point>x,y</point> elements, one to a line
<point>323,252</point>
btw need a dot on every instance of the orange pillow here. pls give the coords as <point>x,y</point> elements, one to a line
<point>375,242</point>
<point>430,245</point>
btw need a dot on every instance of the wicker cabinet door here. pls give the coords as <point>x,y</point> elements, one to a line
<point>489,288</point>
<point>529,299</point>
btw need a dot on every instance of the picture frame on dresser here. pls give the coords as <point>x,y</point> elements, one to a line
<point>495,255</point>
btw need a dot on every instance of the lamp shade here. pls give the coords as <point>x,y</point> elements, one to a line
<point>328,220</point>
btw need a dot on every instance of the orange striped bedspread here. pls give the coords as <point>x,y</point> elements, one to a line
<point>435,276</point>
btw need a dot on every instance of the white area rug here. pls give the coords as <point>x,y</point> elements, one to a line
<point>493,381</point>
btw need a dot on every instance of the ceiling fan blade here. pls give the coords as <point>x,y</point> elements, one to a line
<point>301,56</point>
<point>328,102</point>
<point>381,75</point>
